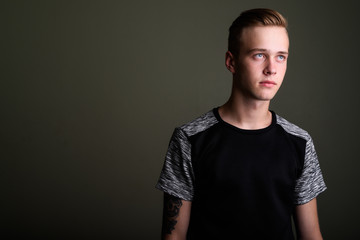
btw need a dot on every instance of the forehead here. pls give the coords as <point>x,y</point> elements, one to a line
<point>273,38</point>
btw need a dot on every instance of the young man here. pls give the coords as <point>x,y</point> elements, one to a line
<point>240,171</point>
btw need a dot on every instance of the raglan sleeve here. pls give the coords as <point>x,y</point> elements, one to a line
<point>177,176</point>
<point>311,182</point>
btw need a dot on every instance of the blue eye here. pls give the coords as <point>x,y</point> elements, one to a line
<point>281,57</point>
<point>259,56</point>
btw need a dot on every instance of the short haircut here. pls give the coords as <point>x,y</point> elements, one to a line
<point>249,18</point>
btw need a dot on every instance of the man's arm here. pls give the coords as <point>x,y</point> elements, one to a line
<point>176,216</point>
<point>307,222</point>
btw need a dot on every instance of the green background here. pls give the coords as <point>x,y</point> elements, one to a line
<point>92,90</point>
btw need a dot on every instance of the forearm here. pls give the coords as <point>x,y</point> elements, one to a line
<point>176,216</point>
<point>307,223</point>
<point>315,235</point>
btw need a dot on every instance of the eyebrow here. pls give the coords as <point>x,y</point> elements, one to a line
<point>265,50</point>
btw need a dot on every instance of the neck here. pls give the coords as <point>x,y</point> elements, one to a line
<point>246,113</point>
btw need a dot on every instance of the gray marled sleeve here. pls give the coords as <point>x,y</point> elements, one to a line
<point>177,176</point>
<point>311,182</point>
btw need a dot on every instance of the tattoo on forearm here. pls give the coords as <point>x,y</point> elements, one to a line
<point>172,207</point>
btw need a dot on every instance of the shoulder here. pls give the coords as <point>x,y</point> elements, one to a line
<point>199,124</point>
<point>292,129</point>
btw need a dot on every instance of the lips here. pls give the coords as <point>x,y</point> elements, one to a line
<point>268,83</point>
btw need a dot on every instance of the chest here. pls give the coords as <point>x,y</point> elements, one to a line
<point>228,160</point>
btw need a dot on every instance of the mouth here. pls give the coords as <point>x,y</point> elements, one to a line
<point>267,83</point>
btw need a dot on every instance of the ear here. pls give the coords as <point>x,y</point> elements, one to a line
<point>230,61</point>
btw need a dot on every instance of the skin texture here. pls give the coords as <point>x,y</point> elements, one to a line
<point>258,71</point>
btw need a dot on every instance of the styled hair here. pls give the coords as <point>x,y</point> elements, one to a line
<point>249,18</point>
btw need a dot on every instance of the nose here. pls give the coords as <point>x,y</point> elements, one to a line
<point>270,68</point>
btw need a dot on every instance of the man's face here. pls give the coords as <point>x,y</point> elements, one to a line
<point>260,66</point>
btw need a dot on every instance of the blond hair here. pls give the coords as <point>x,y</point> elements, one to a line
<point>252,17</point>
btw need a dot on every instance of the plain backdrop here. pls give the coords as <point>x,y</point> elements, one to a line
<point>90,92</point>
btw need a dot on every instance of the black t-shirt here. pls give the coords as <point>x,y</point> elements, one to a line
<point>243,184</point>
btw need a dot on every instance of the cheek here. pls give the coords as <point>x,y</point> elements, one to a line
<point>281,70</point>
<point>254,68</point>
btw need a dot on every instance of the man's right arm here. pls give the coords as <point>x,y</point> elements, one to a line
<point>176,217</point>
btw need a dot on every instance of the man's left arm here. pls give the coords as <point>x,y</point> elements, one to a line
<point>307,221</point>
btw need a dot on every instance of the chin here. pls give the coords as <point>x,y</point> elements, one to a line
<point>265,97</point>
